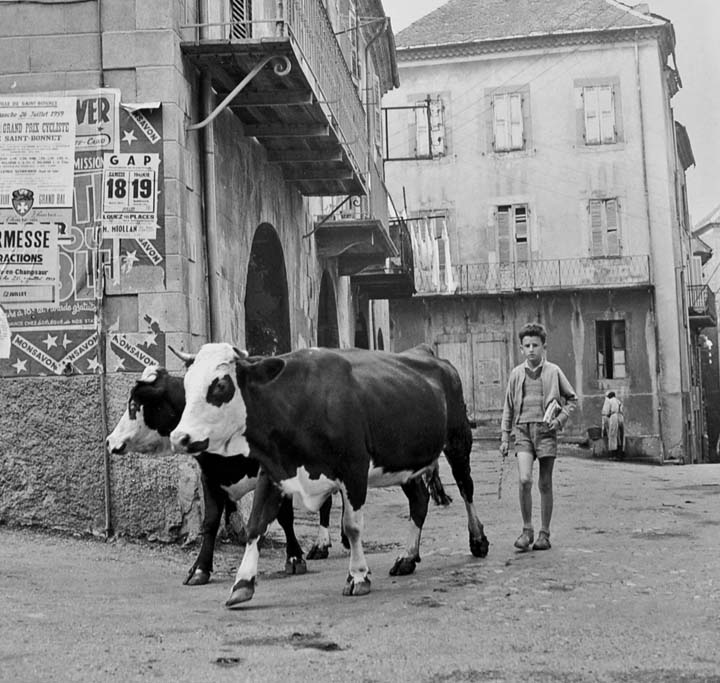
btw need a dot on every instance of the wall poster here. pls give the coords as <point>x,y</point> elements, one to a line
<point>81,202</point>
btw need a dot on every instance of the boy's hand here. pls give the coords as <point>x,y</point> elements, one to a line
<point>554,424</point>
<point>504,446</point>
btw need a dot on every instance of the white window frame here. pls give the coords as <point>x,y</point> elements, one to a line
<point>508,126</point>
<point>599,115</point>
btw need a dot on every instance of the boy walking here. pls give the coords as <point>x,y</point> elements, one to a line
<point>538,402</point>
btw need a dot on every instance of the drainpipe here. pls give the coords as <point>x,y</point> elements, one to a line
<point>207,184</point>
<point>100,328</point>
<point>658,368</point>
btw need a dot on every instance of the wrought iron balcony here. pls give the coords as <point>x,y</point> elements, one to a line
<point>300,101</point>
<point>701,306</point>
<point>619,272</point>
<point>356,231</point>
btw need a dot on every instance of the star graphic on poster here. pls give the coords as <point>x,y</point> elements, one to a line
<point>150,340</point>
<point>50,341</point>
<point>129,137</point>
<point>120,365</point>
<point>20,366</point>
<point>93,364</point>
<point>129,260</point>
<point>65,341</point>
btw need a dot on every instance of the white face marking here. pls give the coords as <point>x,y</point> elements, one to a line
<point>223,425</point>
<point>312,492</point>
<point>135,435</point>
<point>242,488</point>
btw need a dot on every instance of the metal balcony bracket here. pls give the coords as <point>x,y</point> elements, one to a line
<point>282,68</point>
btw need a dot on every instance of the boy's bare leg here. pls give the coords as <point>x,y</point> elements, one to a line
<point>525,476</point>
<point>546,492</point>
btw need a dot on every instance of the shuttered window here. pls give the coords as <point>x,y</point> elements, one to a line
<point>241,16</point>
<point>354,41</point>
<point>429,119</point>
<point>611,349</point>
<point>508,131</point>
<point>599,113</point>
<point>512,233</point>
<point>604,227</point>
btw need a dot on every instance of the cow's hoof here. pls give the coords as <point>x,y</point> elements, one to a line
<point>197,578</point>
<point>295,565</point>
<point>241,592</point>
<point>404,566</point>
<point>355,587</point>
<point>479,546</point>
<point>318,552</point>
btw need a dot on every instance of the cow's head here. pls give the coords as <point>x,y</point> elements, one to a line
<point>153,410</point>
<point>215,413</point>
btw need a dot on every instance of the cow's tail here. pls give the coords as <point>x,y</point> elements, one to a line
<point>436,488</point>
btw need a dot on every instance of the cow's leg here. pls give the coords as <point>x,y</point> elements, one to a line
<point>321,547</point>
<point>266,505</point>
<point>358,580</point>
<point>457,453</point>
<point>214,501</point>
<point>294,561</point>
<point>418,498</point>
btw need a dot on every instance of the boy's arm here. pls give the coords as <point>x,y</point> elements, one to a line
<point>507,415</point>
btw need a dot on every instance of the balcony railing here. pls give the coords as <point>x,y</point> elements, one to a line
<point>300,116</point>
<point>531,276</point>
<point>701,306</point>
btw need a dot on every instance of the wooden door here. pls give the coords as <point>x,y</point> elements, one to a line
<point>457,349</point>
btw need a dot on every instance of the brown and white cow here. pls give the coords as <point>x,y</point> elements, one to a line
<point>322,420</point>
<point>154,408</point>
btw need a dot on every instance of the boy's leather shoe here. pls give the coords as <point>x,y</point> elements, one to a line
<point>524,540</point>
<point>543,542</point>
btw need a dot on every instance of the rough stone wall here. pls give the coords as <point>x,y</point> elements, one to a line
<point>51,462</point>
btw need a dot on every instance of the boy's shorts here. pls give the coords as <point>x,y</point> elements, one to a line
<point>536,438</point>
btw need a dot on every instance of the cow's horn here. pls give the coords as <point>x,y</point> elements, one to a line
<point>149,374</point>
<point>186,358</point>
<point>242,354</point>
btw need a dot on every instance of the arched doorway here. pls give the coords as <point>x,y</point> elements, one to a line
<point>327,334</point>
<point>267,312</point>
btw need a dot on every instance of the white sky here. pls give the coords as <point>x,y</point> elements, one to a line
<point>697,105</point>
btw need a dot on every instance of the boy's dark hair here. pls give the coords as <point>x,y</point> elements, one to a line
<point>611,394</point>
<point>533,330</point>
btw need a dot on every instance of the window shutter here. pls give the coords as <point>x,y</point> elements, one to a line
<point>421,129</point>
<point>437,127</point>
<point>592,119</point>
<point>607,114</point>
<point>500,122</point>
<point>503,229</point>
<point>611,219</point>
<point>596,236</point>
<point>516,122</point>
<point>521,234</point>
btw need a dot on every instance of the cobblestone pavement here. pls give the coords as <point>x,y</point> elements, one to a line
<point>630,591</point>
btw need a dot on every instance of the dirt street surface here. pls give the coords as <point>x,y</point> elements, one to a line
<point>630,591</point>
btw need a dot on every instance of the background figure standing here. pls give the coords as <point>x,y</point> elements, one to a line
<point>613,425</point>
<point>538,402</point>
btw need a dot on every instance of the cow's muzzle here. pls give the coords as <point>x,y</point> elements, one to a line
<point>183,443</point>
<point>117,449</point>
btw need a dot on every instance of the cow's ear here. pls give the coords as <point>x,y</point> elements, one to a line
<point>264,371</point>
<point>240,353</point>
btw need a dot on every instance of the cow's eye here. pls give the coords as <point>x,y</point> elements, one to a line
<point>221,390</point>
<point>133,408</point>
